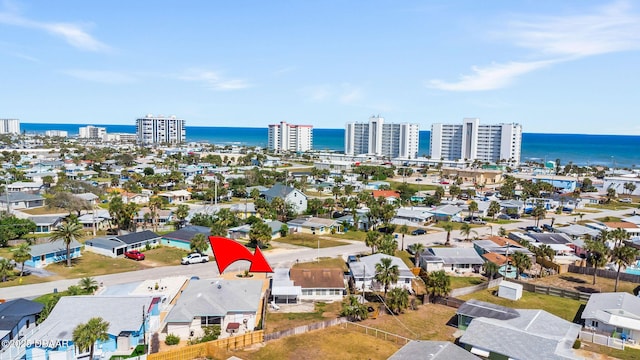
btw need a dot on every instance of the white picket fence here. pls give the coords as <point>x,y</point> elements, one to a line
<point>600,339</point>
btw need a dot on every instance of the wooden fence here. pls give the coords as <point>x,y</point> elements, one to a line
<point>608,274</point>
<point>553,291</point>
<point>600,339</point>
<point>210,348</point>
<point>375,332</point>
<point>304,328</point>
<point>471,289</point>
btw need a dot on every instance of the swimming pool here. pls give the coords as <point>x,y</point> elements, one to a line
<point>635,270</point>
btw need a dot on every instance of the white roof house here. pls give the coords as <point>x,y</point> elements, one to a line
<point>364,271</point>
<point>613,312</point>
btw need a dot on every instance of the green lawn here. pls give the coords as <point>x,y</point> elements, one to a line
<point>562,307</point>
<point>336,262</point>
<point>165,255</point>
<point>406,257</point>
<point>458,282</point>
<point>91,264</point>
<point>308,240</point>
<point>414,187</point>
<point>351,235</point>
<point>626,354</point>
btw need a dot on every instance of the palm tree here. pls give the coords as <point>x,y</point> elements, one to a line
<point>353,309</point>
<point>404,230</point>
<point>521,261</point>
<point>397,300</point>
<point>448,227</point>
<point>417,249</point>
<point>597,257</point>
<point>622,256</point>
<point>386,273</point>
<point>85,335</point>
<point>490,269</point>
<point>466,230</point>
<point>88,285</point>
<point>199,243</point>
<point>388,245</point>
<point>619,235</point>
<point>473,207</point>
<point>6,267</point>
<point>155,204</point>
<point>438,283</point>
<point>372,240</point>
<point>21,254</point>
<point>494,208</point>
<point>181,213</point>
<point>68,232</point>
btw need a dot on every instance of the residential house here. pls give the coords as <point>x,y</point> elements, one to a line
<point>164,217</point>
<point>375,185</point>
<point>558,182</point>
<point>98,219</point>
<point>46,224</point>
<point>615,313</point>
<point>390,196</point>
<point>501,245</point>
<point>475,176</point>
<point>52,252</point>
<point>512,206</point>
<point>533,335</point>
<point>128,197</point>
<point>182,238</point>
<point>19,201</point>
<point>432,350</point>
<point>234,305</point>
<point>313,225</point>
<point>242,232</point>
<point>451,260</point>
<point>631,228</point>
<point>472,309</point>
<point>244,210</point>
<point>319,284</point>
<point>283,290</point>
<point>37,177</point>
<point>447,213</point>
<point>90,198</point>
<point>25,187</point>
<point>293,196</point>
<point>504,263</point>
<point>363,272</point>
<point>176,196</point>
<point>557,241</point>
<point>363,222</point>
<point>17,318</point>
<point>129,318</point>
<point>412,215</point>
<point>116,245</point>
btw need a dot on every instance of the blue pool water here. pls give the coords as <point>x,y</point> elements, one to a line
<point>633,270</point>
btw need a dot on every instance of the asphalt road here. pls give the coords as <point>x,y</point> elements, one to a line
<point>282,257</point>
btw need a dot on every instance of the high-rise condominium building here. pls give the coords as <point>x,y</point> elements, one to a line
<point>378,138</point>
<point>160,130</point>
<point>9,126</point>
<point>472,141</point>
<point>92,132</point>
<point>289,137</point>
<point>56,133</point>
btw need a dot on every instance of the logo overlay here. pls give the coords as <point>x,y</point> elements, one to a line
<point>227,251</point>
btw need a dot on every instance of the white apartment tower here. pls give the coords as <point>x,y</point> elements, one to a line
<point>289,137</point>
<point>472,141</point>
<point>378,138</point>
<point>9,126</point>
<point>160,130</point>
<point>92,132</point>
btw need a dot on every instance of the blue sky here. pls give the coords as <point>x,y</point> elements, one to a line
<point>553,66</point>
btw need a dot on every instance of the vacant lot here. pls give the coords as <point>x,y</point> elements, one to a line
<point>277,321</point>
<point>584,283</point>
<point>428,322</point>
<point>564,308</point>
<point>312,241</point>
<point>336,262</point>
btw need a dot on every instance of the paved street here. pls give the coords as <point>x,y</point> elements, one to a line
<point>282,257</point>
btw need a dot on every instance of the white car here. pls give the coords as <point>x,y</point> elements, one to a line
<point>194,258</point>
<point>626,200</point>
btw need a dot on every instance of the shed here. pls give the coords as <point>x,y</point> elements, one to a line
<point>509,290</point>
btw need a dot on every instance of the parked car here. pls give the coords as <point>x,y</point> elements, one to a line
<point>444,182</point>
<point>194,258</point>
<point>475,220</point>
<point>418,232</point>
<point>626,200</point>
<point>547,227</point>
<point>352,258</point>
<point>533,228</point>
<point>134,254</point>
<point>504,217</point>
<point>514,216</point>
<point>419,179</point>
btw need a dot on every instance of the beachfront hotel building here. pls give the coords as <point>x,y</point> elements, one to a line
<point>160,130</point>
<point>56,133</point>
<point>9,126</point>
<point>377,138</point>
<point>472,141</point>
<point>92,132</point>
<point>289,137</point>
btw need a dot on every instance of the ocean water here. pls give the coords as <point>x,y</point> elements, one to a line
<point>608,150</point>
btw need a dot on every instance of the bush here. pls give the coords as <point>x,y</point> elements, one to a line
<point>172,339</point>
<point>577,344</point>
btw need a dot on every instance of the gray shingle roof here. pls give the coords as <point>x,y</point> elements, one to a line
<point>216,297</point>
<point>52,247</point>
<point>456,255</point>
<point>553,238</point>
<point>534,335</point>
<point>45,220</point>
<point>279,190</point>
<point>604,305</point>
<point>187,233</point>
<point>476,308</point>
<point>19,196</point>
<point>137,237</point>
<point>122,313</point>
<point>432,350</point>
<point>367,266</point>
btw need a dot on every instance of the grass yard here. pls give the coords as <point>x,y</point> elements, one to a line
<point>406,257</point>
<point>395,185</point>
<point>562,307</point>
<point>309,240</point>
<point>351,235</point>
<point>14,279</point>
<point>428,322</point>
<point>277,321</point>
<point>333,343</point>
<point>458,282</point>
<point>165,255</point>
<point>45,210</point>
<point>91,264</point>
<point>609,219</point>
<point>336,262</point>
<point>583,283</point>
<point>614,205</point>
<point>626,354</point>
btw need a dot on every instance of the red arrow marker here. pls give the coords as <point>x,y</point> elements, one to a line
<point>227,251</point>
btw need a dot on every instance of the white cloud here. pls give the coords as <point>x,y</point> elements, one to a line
<point>73,34</point>
<point>351,96</point>
<point>317,93</point>
<point>554,39</point>
<point>213,80</point>
<point>99,76</point>
<point>492,77</point>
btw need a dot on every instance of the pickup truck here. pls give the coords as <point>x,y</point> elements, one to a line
<point>194,258</point>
